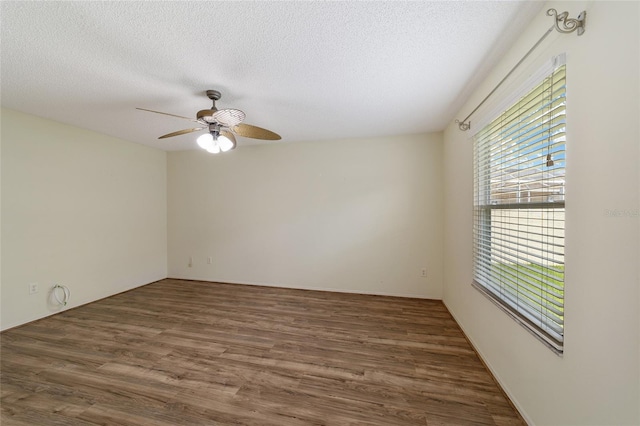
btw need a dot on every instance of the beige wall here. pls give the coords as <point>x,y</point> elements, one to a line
<point>346,215</point>
<point>79,209</point>
<point>597,381</point>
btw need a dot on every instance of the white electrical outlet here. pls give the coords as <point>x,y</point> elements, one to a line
<point>423,272</point>
<point>33,288</point>
<point>209,260</point>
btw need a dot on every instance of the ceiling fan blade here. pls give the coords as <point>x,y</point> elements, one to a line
<point>254,132</point>
<point>229,117</point>
<point>181,132</point>
<point>166,113</point>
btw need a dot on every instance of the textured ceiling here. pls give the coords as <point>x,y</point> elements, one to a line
<point>307,70</point>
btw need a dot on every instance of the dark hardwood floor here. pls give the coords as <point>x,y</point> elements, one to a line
<point>195,353</point>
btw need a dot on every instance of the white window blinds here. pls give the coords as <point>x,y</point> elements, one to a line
<point>519,196</point>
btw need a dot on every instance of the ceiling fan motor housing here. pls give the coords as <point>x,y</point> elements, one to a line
<point>205,116</point>
<point>225,117</point>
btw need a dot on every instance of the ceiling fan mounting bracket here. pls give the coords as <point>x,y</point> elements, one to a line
<point>214,95</point>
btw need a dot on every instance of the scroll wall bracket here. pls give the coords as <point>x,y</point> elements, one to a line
<point>566,25</point>
<point>563,24</point>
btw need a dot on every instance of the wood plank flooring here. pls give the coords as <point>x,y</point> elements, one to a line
<point>196,353</point>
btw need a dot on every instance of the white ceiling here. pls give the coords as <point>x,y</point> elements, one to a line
<point>309,71</point>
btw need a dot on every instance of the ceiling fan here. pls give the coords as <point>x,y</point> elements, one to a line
<point>222,126</point>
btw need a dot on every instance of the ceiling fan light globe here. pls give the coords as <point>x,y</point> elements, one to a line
<point>206,141</point>
<point>215,149</point>
<point>226,141</point>
<point>225,144</point>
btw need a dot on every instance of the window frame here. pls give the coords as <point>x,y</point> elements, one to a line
<point>484,205</point>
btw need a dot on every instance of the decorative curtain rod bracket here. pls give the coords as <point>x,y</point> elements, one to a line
<point>569,25</point>
<point>463,126</point>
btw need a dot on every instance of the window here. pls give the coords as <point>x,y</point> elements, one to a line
<point>519,200</point>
